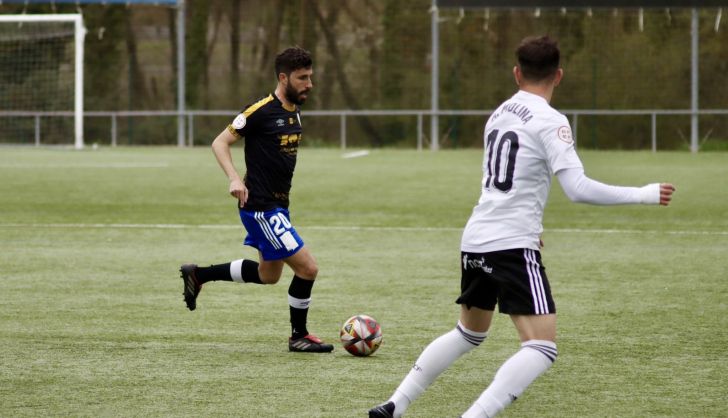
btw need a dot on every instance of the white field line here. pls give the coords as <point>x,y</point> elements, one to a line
<point>356,154</point>
<point>85,165</point>
<point>349,228</point>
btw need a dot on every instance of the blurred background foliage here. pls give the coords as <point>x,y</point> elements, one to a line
<point>376,54</point>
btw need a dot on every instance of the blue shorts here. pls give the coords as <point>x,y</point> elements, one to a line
<point>271,233</point>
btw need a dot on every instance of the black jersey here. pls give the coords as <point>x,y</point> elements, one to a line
<point>272,133</point>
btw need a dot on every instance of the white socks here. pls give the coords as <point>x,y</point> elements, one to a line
<point>513,377</point>
<point>435,359</point>
<point>534,358</point>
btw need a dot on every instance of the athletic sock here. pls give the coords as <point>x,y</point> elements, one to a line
<point>533,359</point>
<point>214,273</point>
<point>435,359</point>
<point>299,297</point>
<point>245,271</point>
<point>238,271</point>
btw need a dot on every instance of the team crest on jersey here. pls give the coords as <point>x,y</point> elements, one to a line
<point>239,122</point>
<point>564,134</point>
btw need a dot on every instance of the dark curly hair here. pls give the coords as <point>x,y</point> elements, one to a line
<point>538,57</point>
<point>292,59</point>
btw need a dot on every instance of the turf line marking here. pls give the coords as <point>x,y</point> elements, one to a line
<point>87,165</point>
<point>356,154</point>
<point>349,228</point>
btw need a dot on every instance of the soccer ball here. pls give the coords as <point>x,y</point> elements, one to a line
<point>361,335</point>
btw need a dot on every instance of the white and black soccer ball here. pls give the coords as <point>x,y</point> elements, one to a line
<point>361,335</point>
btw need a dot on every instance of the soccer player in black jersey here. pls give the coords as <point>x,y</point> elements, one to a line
<point>272,130</point>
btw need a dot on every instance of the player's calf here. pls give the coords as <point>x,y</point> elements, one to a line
<point>513,377</point>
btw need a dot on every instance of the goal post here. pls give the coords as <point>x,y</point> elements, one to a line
<point>16,36</point>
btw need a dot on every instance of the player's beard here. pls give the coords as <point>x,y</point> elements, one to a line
<point>294,96</point>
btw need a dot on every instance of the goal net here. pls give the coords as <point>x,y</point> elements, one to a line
<point>41,79</point>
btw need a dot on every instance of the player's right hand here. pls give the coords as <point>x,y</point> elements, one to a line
<point>666,191</point>
<point>239,191</point>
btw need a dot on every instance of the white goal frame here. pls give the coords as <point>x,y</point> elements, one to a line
<point>79,35</point>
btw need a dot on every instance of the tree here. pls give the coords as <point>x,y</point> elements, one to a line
<point>338,63</point>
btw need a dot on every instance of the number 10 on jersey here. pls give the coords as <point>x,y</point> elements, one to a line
<point>501,161</point>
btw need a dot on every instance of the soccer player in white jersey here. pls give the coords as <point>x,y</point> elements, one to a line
<point>526,143</point>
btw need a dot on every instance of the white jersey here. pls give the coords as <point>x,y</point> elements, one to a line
<point>526,142</point>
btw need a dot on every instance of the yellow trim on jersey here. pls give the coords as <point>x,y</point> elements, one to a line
<point>249,111</point>
<point>233,131</point>
<point>291,108</point>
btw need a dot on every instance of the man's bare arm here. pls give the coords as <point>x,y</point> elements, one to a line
<point>221,148</point>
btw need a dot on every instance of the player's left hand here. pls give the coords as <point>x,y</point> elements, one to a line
<point>239,191</point>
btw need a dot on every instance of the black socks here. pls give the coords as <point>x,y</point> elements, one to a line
<point>299,297</point>
<point>238,271</point>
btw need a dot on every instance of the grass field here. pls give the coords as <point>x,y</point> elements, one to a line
<point>92,321</point>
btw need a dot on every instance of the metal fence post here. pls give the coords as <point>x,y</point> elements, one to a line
<point>181,72</point>
<point>694,84</point>
<point>342,127</point>
<point>113,130</point>
<point>435,77</point>
<point>654,131</point>
<point>419,132</point>
<point>190,130</point>
<point>37,130</point>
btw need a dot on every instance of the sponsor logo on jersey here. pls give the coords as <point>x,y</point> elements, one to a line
<point>280,122</point>
<point>564,134</point>
<point>287,139</point>
<point>239,122</point>
<point>289,143</point>
<point>281,195</point>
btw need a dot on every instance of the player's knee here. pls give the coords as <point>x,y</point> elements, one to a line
<point>271,279</point>
<point>308,271</point>
<point>473,337</point>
